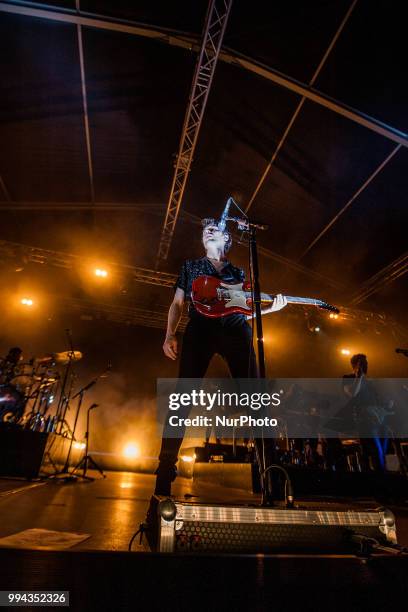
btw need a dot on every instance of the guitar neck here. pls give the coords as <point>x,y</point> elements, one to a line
<point>268,299</point>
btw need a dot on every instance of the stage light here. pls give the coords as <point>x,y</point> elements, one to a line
<point>316,329</point>
<point>131,451</point>
<point>333,315</point>
<point>78,445</point>
<point>27,301</point>
<point>188,458</point>
<point>345,351</point>
<point>101,273</point>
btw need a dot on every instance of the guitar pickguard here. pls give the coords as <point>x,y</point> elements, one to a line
<point>236,298</point>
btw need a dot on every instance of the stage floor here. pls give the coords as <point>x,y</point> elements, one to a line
<point>110,510</point>
<point>100,575</point>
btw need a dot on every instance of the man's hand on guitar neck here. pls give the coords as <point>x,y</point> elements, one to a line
<point>278,303</point>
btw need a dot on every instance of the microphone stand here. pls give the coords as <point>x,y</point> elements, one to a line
<point>87,459</point>
<point>257,301</point>
<point>249,227</point>
<point>63,399</point>
<point>80,396</point>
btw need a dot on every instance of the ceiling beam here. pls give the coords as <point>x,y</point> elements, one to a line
<point>85,105</point>
<point>351,200</point>
<point>300,106</point>
<point>228,56</point>
<point>381,279</point>
<point>100,22</point>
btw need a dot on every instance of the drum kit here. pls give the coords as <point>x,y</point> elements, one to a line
<point>28,390</point>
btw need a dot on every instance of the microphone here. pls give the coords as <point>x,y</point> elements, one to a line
<point>89,385</point>
<point>403,351</point>
<point>245,224</point>
<point>223,220</point>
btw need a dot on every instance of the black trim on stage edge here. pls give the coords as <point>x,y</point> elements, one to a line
<point>130,581</point>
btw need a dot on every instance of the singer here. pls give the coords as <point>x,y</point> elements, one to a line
<point>230,336</point>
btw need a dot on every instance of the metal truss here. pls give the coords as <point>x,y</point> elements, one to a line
<point>362,319</point>
<point>216,21</point>
<point>22,254</point>
<point>135,315</point>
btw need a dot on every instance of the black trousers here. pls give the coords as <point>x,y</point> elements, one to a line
<point>230,337</point>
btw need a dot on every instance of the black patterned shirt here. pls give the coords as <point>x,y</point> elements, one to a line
<point>193,268</point>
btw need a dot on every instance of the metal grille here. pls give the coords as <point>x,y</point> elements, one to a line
<point>250,537</point>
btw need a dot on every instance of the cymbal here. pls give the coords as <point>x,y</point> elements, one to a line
<point>44,359</point>
<point>66,356</point>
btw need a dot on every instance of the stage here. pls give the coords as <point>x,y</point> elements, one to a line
<point>101,574</point>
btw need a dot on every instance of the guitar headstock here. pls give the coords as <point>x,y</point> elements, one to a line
<point>329,307</point>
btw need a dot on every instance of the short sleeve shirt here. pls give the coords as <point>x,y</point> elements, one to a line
<point>193,268</point>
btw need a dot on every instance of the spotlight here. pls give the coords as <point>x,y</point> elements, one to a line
<point>131,451</point>
<point>79,445</point>
<point>188,458</point>
<point>345,351</point>
<point>27,302</point>
<point>101,273</point>
<point>333,315</point>
<point>313,325</point>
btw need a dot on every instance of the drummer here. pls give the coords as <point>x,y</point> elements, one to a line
<point>9,363</point>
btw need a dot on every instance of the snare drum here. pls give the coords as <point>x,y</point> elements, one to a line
<point>23,377</point>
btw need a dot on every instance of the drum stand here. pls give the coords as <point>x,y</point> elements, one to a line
<point>87,460</point>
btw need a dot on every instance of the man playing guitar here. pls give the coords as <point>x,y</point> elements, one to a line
<point>230,336</point>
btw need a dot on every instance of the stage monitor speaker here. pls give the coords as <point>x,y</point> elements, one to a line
<point>186,527</point>
<point>27,454</point>
<point>21,452</point>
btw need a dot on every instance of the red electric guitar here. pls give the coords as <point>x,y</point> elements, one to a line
<point>213,297</point>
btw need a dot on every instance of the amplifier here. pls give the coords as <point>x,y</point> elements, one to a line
<point>186,527</point>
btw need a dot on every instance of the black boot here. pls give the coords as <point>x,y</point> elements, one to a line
<point>165,476</point>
